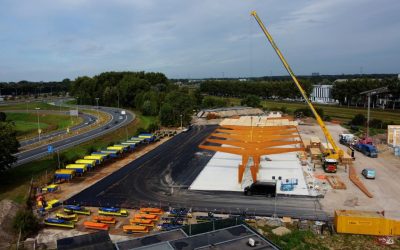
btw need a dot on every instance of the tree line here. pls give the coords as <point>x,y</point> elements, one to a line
<point>8,143</point>
<point>149,92</point>
<point>264,89</point>
<point>348,92</point>
<point>28,88</point>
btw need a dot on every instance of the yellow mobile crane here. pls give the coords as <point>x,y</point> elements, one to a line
<point>332,154</point>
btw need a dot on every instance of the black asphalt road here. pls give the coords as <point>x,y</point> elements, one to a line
<point>87,121</point>
<point>161,178</point>
<point>113,124</point>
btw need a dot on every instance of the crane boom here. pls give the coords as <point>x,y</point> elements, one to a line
<point>337,152</point>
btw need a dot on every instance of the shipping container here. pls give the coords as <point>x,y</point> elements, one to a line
<point>365,222</point>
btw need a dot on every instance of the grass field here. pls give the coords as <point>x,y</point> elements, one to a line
<point>26,123</point>
<point>31,106</point>
<point>339,113</point>
<point>305,239</point>
<point>14,183</point>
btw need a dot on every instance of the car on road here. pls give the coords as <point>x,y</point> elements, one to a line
<point>368,173</point>
<point>106,127</point>
<point>266,188</point>
<point>116,122</point>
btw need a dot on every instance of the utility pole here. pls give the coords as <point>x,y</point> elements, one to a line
<point>370,93</point>
<point>369,104</point>
<point>181,122</point>
<point>77,104</point>
<point>97,103</point>
<point>38,124</point>
<point>58,156</point>
<point>118,96</point>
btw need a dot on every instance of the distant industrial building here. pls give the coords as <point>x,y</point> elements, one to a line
<point>322,94</point>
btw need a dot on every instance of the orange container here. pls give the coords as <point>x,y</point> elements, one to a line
<point>151,210</point>
<point>135,229</point>
<point>152,217</point>
<point>104,219</point>
<point>95,225</point>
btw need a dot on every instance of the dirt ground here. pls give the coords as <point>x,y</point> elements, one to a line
<point>385,188</point>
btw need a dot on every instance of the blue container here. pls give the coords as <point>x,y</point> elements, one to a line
<point>397,151</point>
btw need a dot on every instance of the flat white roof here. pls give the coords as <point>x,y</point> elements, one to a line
<point>221,173</point>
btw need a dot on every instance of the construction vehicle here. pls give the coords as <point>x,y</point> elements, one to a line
<point>333,154</point>
<point>346,139</point>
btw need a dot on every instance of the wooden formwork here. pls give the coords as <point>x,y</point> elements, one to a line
<point>354,178</point>
<point>335,182</point>
<point>253,142</point>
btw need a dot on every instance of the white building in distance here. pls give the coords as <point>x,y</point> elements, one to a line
<point>322,94</point>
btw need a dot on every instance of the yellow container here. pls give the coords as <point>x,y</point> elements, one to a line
<point>86,161</point>
<point>365,222</point>
<point>94,157</point>
<point>76,166</point>
<point>116,148</point>
<point>65,171</point>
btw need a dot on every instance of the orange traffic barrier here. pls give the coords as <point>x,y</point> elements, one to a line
<point>354,178</point>
<point>135,229</point>
<point>152,217</point>
<point>95,225</point>
<point>151,210</point>
<point>142,222</point>
<point>104,219</point>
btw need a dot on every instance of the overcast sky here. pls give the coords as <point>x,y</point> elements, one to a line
<point>57,39</point>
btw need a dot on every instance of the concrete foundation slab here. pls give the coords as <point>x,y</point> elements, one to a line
<point>221,173</point>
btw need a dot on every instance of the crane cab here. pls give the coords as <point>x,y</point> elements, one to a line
<point>330,165</point>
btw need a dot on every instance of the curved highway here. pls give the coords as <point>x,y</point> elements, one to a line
<point>117,121</point>
<point>162,176</point>
<point>87,121</point>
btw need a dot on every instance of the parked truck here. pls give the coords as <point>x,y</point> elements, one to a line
<point>367,149</point>
<point>346,139</point>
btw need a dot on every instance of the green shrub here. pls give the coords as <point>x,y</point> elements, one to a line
<point>358,119</point>
<point>25,221</point>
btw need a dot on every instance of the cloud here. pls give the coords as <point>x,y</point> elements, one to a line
<point>51,40</point>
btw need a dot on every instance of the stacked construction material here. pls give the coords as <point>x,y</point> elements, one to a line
<point>89,163</point>
<point>79,168</point>
<point>95,225</point>
<point>68,217</point>
<point>59,223</point>
<point>113,211</point>
<point>76,209</point>
<point>104,219</point>
<point>50,188</point>
<point>52,204</point>
<point>64,174</point>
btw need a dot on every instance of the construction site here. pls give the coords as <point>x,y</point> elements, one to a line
<point>249,166</point>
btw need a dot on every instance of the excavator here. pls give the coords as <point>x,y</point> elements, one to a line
<point>332,154</point>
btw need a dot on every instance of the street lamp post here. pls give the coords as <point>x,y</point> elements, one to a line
<point>77,105</point>
<point>97,102</point>
<point>38,123</point>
